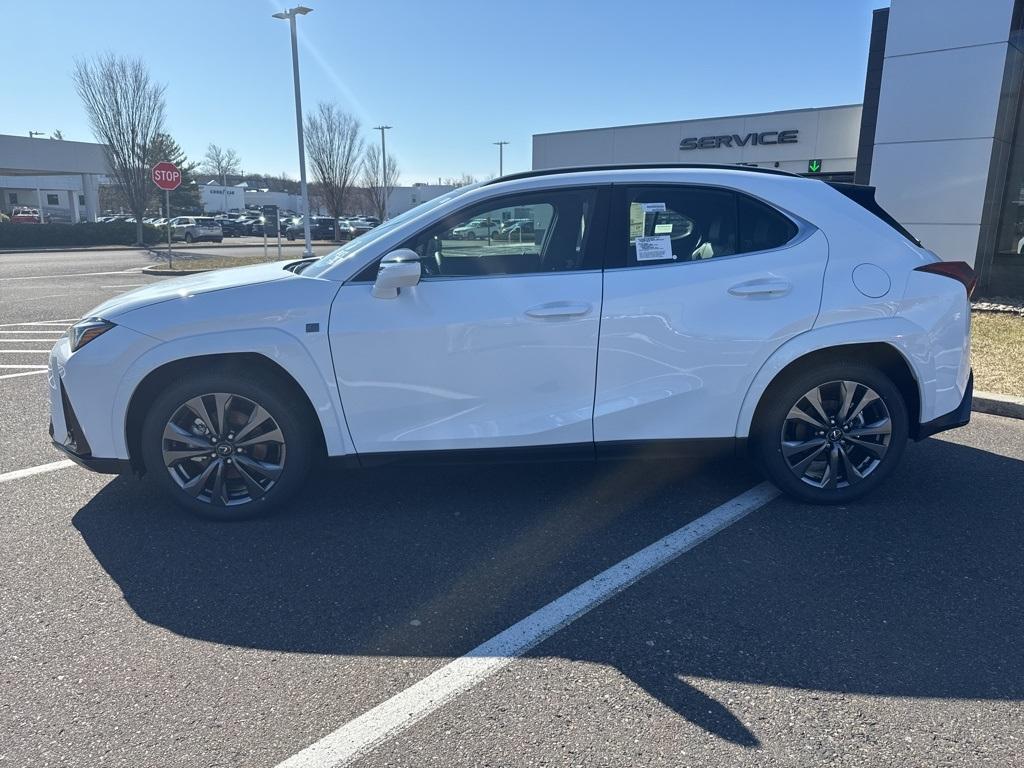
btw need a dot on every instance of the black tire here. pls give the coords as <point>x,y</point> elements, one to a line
<point>247,385</point>
<point>218,240</point>
<point>768,434</point>
<point>188,238</point>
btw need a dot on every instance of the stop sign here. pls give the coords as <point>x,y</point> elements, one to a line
<point>166,176</point>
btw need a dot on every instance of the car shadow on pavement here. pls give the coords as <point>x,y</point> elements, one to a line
<point>916,591</point>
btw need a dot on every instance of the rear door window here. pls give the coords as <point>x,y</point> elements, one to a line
<point>679,223</point>
<point>672,223</point>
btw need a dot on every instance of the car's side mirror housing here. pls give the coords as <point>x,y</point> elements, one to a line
<point>398,269</point>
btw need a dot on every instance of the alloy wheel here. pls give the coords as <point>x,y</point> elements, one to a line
<point>836,434</point>
<point>223,449</point>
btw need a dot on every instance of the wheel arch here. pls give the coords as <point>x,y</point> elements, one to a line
<point>888,352</point>
<point>253,362</point>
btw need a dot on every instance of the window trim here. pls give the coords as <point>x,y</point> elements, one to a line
<point>617,230</point>
<point>594,255</point>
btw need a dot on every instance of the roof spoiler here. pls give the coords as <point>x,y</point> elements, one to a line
<point>864,196</point>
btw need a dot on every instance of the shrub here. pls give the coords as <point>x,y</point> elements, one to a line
<point>65,235</point>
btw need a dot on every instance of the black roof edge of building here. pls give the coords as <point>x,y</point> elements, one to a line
<point>641,167</point>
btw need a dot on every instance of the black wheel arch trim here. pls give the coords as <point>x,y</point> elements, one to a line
<point>958,417</point>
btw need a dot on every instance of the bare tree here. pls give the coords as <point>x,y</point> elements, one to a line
<point>335,150</point>
<point>378,181</point>
<point>459,181</point>
<point>221,163</point>
<point>126,111</point>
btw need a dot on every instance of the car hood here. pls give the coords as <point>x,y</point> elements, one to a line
<point>191,285</point>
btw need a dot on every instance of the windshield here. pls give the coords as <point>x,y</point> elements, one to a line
<point>352,247</point>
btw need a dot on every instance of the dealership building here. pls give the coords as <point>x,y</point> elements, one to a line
<point>940,134</point>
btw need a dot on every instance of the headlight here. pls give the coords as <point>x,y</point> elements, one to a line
<point>84,331</point>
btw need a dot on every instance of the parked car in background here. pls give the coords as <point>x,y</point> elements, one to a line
<point>25,215</point>
<point>516,231</point>
<point>790,322</point>
<point>478,229</point>
<point>195,228</point>
<point>320,228</point>
<point>359,226</point>
<point>231,227</point>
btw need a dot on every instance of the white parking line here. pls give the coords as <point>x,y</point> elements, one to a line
<point>11,365</point>
<point>64,323</point>
<point>20,473</point>
<point>21,351</point>
<point>74,274</point>
<point>369,730</point>
<point>24,373</point>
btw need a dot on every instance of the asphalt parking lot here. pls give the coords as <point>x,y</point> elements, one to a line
<point>883,633</point>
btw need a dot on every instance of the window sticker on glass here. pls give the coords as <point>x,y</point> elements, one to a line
<point>655,248</point>
<point>653,207</point>
<point>663,229</point>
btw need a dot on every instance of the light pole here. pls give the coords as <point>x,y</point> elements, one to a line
<point>383,165</point>
<point>290,14</point>
<point>501,156</point>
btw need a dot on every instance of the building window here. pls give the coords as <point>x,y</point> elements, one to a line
<point>52,199</point>
<point>81,199</point>
<point>12,198</point>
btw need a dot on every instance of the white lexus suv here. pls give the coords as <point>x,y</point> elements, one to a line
<point>645,311</point>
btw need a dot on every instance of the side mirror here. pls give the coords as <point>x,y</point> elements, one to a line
<point>398,269</point>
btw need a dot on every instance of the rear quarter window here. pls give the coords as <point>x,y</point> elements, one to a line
<point>761,228</point>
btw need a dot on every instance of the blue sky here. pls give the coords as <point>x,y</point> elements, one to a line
<point>451,76</point>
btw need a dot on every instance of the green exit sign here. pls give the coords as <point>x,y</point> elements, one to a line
<point>814,166</point>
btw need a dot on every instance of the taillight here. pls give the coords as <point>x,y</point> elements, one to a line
<point>958,270</point>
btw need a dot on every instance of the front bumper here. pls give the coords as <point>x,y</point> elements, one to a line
<point>95,463</point>
<point>958,417</point>
<point>73,442</point>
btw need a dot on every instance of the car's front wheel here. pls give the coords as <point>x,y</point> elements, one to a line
<point>833,433</point>
<point>227,446</point>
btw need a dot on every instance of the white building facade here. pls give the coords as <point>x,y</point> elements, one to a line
<point>948,141</point>
<point>60,178</point>
<point>819,141</point>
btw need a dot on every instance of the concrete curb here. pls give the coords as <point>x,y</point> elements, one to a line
<point>998,405</point>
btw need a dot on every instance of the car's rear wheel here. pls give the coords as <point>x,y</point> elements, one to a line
<point>833,433</point>
<point>188,237</point>
<point>227,446</point>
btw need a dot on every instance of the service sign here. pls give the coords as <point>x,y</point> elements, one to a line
<point>752,139</point>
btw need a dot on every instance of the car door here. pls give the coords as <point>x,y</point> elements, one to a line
<point>703,285</point>
<point>495,347</point>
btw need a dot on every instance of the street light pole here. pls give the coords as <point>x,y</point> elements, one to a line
<point>290,14</point>
<point>501,156</point>
<point>383,164</point>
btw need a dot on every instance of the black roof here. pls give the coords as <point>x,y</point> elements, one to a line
<point>640,167</point>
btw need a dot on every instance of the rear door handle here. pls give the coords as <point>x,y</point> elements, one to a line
<point>765,287</point>
<point>559,309</point>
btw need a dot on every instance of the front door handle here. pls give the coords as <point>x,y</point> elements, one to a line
<point>766,288</point>
<point>559,309</point>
